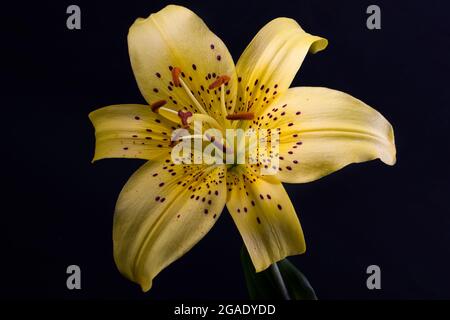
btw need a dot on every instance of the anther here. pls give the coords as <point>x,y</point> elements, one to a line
<point>219,81</point>
<point>241,116</point>
<point>184,117</point>
<point>158,104</point>
<point>176,76</point>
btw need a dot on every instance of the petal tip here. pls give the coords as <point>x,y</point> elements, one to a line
<point>390,158</point>
<point>146,286</point>
<point>171,8</point>
<point>318,45</point>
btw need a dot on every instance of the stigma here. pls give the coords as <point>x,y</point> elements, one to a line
<point>184,116</point>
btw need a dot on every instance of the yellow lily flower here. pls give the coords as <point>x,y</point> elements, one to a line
<point>185,72</point>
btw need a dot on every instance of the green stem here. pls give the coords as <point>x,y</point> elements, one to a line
<point>279,281</point>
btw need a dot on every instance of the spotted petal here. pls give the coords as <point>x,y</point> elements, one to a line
<point>271,61</point>
<point>176,37</point>
<point>164,210</point>
<point>130,131</point>
<point>265,217</point>
<point>323,130</point>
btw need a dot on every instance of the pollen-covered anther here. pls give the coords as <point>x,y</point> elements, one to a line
<point>158,104</point>
<point>176,76</point>
<point>241,116</point>
<point>184,116</point>
<point>219,81</point>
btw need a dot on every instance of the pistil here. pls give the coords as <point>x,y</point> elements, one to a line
<point>184,116</point>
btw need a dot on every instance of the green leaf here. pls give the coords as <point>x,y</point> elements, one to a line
<point>271,284</point>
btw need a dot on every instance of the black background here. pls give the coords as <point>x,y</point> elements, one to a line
<point>57,207</point>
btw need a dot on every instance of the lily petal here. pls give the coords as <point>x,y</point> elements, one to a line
<point>175,37</point>
<point>130,131</point>
<point>162,212</point>
<point>265,217</point>
<point>271,61</point>
<point>323,130</point>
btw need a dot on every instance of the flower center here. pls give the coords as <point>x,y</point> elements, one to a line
<point>188,119</point>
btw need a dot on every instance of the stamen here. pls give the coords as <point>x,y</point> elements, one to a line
<point>189,93</point>
<point>177,138</point>
<point>176,76</point>
<point>241,116</point>
<point>219,81</point>
<point>193,136</point>
<point>184,117</point>
<point>219,145</point>
<point>222,104</point>
<point>158,104</point>
<point>169,114</point>
<point>207,119</point>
